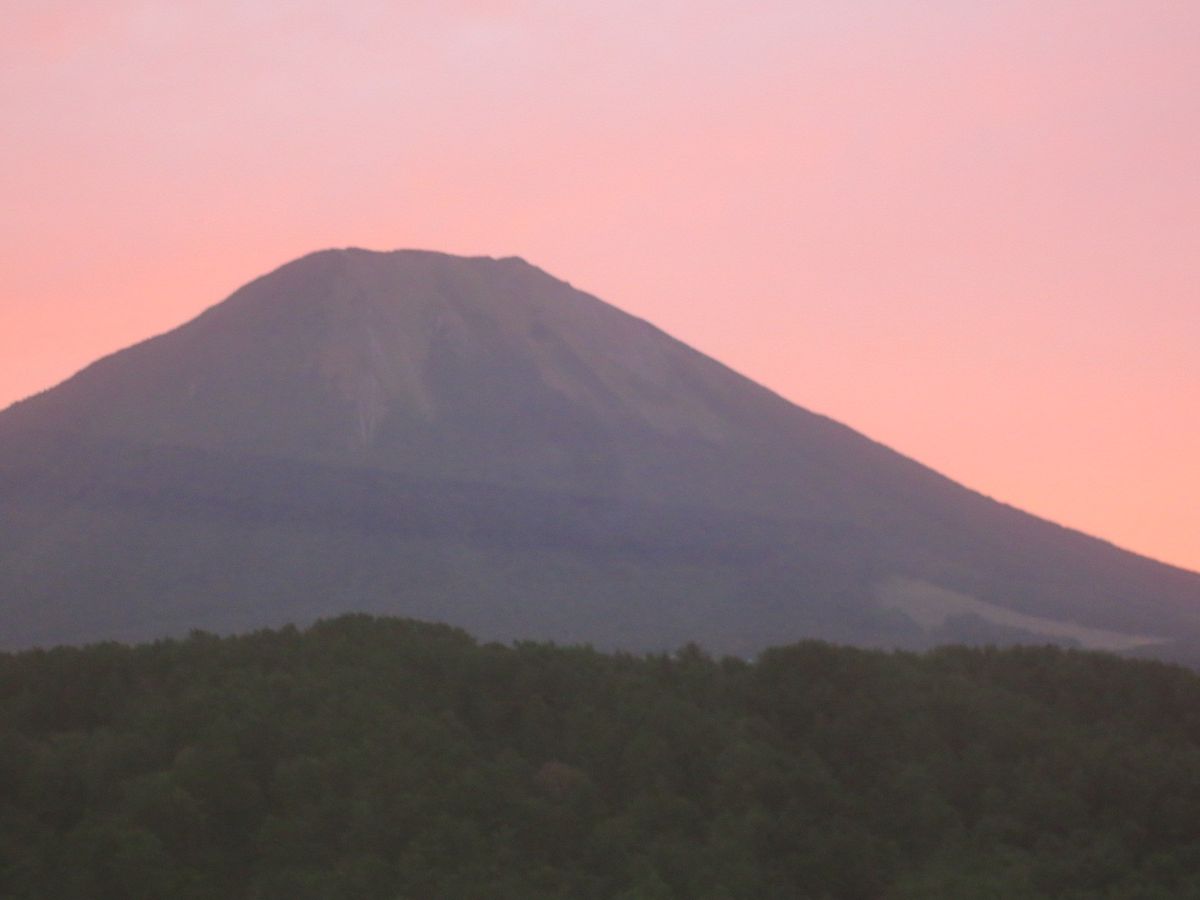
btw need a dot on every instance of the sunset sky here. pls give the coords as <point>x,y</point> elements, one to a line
<point>969,229</point>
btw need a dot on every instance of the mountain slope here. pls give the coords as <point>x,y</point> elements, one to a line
<point>475,441</point>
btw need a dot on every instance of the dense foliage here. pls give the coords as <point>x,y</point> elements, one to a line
<point>368,758</point>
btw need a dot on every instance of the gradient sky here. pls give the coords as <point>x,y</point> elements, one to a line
<point>969,229</point>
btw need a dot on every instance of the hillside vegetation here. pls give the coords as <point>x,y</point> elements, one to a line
<point>383,758</point>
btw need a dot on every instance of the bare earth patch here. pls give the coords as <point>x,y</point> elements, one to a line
<point>931,606</point>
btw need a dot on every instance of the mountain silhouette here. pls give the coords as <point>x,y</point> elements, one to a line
<point>474,441</point>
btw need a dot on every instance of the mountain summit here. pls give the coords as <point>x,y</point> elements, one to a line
<point>424,363</point>
<point>475,441</point>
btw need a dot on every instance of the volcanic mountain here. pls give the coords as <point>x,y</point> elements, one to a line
<point>474,441</point>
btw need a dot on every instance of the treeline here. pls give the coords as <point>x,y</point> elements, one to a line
<point>380,758</point>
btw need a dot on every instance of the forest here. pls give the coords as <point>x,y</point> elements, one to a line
<point>385,758</point>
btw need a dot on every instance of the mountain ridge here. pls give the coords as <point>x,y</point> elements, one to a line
<point>406,368</point>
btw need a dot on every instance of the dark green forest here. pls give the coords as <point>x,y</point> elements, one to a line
<point>382,758</point>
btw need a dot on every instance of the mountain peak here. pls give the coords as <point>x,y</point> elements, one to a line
<point>353,351</point>
<point>405,257</point>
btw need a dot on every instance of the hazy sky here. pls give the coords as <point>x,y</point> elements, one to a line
<point>969,229</point>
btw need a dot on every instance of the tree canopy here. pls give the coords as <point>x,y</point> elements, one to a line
<point>385,758</point>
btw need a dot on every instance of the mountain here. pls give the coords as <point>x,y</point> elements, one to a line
<point>474,441</point>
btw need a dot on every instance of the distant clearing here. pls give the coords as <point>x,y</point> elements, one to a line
<point>932,607</point>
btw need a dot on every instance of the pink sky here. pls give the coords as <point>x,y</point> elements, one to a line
<point>970,230</point>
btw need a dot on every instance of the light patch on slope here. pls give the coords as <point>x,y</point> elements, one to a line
<point>931,607</point>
